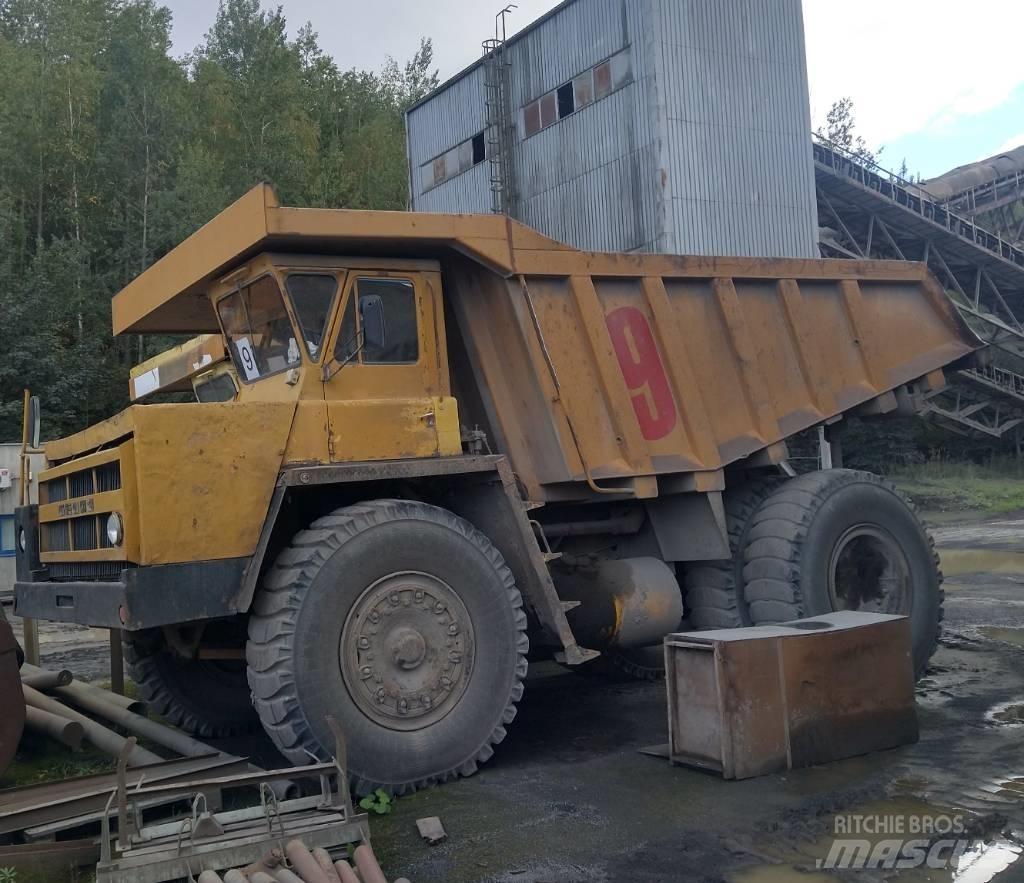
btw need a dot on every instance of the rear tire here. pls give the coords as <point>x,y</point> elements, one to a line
<point>843,540</point>
<point>713,590</point>
<point>403,622</point>
<point>205,698</point>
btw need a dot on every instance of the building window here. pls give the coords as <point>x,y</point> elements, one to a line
<point>6,536</point>
<point>462,157</point>
<point>566,104</point>
<point>586,88</point>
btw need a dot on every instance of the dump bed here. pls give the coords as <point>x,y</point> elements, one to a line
<point>673,366</point>
<point>595,372</point>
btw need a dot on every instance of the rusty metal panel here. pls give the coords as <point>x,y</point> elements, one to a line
<point>746,702</point>
<point>12,721</point>
<point>595,373</point>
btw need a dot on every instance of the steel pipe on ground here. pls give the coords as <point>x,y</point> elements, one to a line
<point>85,687</point>
<point>96,702</point>
<point>64,730</point>
<point>106,740</point>
<point>47,680</point>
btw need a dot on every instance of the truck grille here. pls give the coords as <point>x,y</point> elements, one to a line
<point>76,534</point>
<point>55,536</point>
<point>99,479</point>
<point>108,477</point>
<point>85,570</point>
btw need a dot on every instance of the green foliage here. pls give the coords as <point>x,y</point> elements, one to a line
<point>380,802</point>
<point>841,128</point>
<point>112,152</point>
<point>994,487</point>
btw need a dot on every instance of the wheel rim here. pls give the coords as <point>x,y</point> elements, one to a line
<point>869,572</point>
<point>406,650</point>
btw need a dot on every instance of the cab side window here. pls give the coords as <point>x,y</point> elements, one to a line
<point>312,296</point>
<point>379,325</point>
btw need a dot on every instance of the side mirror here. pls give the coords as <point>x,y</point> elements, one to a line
<point>33,422</point>
<point>375,329</point>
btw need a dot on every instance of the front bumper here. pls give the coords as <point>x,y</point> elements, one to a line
<point>143,597</point>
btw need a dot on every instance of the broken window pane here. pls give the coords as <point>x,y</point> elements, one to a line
<point>583,89</point>
<point>531,118</point>
<point>621,72</point>
<point>548,110</point>
<point>602,80</point>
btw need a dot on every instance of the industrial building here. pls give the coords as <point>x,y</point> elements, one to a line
<point>676,126</point>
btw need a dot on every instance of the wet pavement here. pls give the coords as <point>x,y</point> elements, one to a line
<point>568,798</point>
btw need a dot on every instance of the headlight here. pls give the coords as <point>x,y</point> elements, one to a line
<point>22,540</point>
<point>115,529</point>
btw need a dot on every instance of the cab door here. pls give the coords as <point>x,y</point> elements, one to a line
<point>386,384</point>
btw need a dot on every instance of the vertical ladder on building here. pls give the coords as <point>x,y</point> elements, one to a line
<point>501,127</point>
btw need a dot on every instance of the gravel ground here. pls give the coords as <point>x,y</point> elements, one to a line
<point>568,798</point>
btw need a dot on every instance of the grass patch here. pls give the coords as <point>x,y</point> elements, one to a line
<point>41,759</point>
<point>992,489</point>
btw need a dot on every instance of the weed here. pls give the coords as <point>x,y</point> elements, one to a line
<point>380,802</point>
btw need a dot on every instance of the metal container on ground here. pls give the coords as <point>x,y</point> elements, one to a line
<point>745,702</point>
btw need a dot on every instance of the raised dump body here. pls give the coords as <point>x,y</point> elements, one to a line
<point>624,369</point>
<point>429,448</point>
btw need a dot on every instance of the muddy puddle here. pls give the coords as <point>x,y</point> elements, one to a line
<point>903,838</point>
<point>1007,714</point>
<point>1014,636</point>
<point>956,562</point>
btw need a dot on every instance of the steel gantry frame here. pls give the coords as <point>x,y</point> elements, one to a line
<point>865,211</point>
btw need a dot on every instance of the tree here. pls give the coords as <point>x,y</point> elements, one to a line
<point>840,129</point>
<point>112,152</point>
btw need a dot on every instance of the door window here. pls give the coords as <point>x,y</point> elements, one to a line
<point>379,326</point>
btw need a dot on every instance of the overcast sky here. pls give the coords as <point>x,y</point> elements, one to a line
<point>937,82</point>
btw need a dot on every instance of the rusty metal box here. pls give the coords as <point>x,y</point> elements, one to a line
<point>750,701</point>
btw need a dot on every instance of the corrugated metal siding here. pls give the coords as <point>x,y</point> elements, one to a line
<point>736,114</point>
<point>706,152</point>
<point>449,119</point>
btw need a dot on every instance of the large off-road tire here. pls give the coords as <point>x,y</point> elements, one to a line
<point>403,622</point>
<point>843,540</point>
<point>207,698</point>
<point>713,590</point>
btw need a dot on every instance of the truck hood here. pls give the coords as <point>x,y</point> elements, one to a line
<point>99,435</point>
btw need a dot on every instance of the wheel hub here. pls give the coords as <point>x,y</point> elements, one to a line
<point>406,650</point>
<point>869,572</point>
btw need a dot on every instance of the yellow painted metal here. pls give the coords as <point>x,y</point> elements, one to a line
<point>173,370</point>
<point>94,437</point>
<point>123,501</point>
<point>205,474</point>
<point>636,375</point>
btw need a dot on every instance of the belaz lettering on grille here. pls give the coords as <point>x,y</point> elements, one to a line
<point>79,507</point>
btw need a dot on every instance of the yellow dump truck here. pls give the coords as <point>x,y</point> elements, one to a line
<point>430,448</point>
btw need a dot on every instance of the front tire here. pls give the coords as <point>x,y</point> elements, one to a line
<point>403,622</point>
<point>206,698</point>
<point>843,540</point>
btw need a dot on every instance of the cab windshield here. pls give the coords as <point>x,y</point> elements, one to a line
<point>260,335</point>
